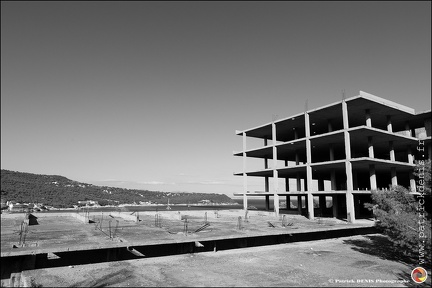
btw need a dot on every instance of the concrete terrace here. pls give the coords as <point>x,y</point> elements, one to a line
<point>67,232</point>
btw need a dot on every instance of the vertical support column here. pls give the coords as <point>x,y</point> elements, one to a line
<point>389,124</point>
<point>392,153</point>
<point>275,173</point>
<point>267,184</point>
<point>348,166</point>
<point>288,202</point>
<point>310,203</point>
<point>287,185</point>
<point>267,200</point>
<point>413,185</point>
<point>368,118</point>
<point>299,204</point>
<point>320,184</point>
<point>393,176</point>
<point>298,181</point>
<point>333,179</point>
<point>372,177</point>
<point>295,133</point>
<point>410,155</point>
<point>370,147</point>
<point>322,204</point>
<point>407,129</point>
<point>265,159</point>
<point>429,151</point>
<point>329,125</point>
<point>244,173</point>
<point>331,147</point>
<point>335,205</point>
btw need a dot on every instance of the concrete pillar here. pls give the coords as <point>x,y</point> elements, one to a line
<point>329,125</point>
<point>322,203</point>
<point>370,147</point>
<point>357,204</point>
<point>288,202</point>
<point>429,151</point>
<point>410,155</point>
<point>333,179</point>
<point>348,166</point>
<point>299,204</point>
<point>389,124</point>
<point>265,159</point>
<point>275,173</point>
<point>310,207</point>
<point>331,152</point>
<point>320,184</point>
<point>335,205</point>
<point>392,153</point>
<point>427,125</point>
<point>372,177</point>
<point>412,182</point>
<point>393,176</point>
<point>407,129</point>
<point>368,118</point>
<point>267,202</point>
<point>295,133</point>
<point>297,158</point>
<point>244,173</point>
<point>287,184</point>
<point>298,181</point>
<point>267,184</point>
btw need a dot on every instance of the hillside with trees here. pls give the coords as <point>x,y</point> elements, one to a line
<point>61,192</point>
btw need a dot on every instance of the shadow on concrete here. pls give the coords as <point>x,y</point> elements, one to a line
<point>33,220</point>
<point>381,246</point>
<point>112,279</point>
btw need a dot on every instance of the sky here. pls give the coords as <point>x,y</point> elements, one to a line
<point>148,95</point>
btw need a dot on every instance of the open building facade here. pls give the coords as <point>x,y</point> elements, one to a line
<point>337,154</point>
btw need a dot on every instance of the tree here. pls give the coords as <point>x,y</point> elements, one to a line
<point>423,174</point>
<point>402,216</point>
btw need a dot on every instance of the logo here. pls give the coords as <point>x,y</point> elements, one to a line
<point>419,275</point>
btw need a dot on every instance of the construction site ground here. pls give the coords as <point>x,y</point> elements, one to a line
<point>346,261</point>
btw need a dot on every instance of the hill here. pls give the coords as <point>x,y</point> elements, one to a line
<point>61,192</point>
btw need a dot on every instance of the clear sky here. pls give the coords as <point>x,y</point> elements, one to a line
<point>148,95</point>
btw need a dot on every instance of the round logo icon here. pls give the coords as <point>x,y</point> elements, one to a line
<point>419,275</point>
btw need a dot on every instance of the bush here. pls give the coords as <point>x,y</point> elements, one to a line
<point>398,217</point>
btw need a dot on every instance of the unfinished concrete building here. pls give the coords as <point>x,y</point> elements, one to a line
<point>337,154</point>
